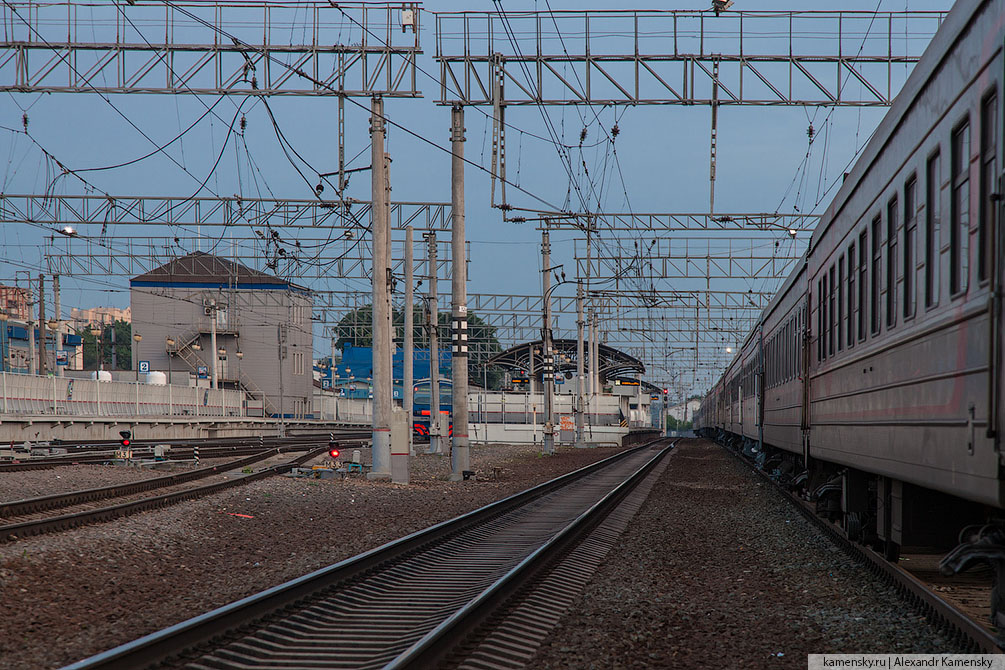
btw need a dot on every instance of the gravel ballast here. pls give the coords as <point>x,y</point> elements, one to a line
<point>69,595</point>
<point>718,570</point>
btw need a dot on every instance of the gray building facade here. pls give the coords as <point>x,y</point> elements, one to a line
<point>262,327</point>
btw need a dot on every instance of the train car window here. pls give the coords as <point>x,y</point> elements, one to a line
<point>989,168</point>
<point>910,239</point>
<point>876,270</point>
<point>786,350</point>
<point>863,278</point>
<point>959,213</point>
<point>831,321</point>
<point>892,219</point>
<point>839,323</point>
<point>820,320</point>
<point>933,221</point>
<point>851,295</point>
<point>783,352</point>
<point>775,360</point>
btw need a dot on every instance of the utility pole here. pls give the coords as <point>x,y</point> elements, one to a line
<point>408,371</point>
<point>547,368</point>
<point>594,356</point>
<point>214,379</point>
<point>331,368</point>
<point>579,365</point>
<point>41,325</point>
<point>533,372</point>
<point>59,312</point>
<point>433,319</point>
<point>382,383</point>
<point>400,452</point>
<point>715,134</point>
<point>460,457</point>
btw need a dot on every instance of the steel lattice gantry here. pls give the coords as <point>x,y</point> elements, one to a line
<point>253,47</point>
<point>649,222</point>
<point>675,57</point>
<point>295,239</point>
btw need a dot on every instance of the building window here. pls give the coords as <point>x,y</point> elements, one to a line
<point>892,219</point>
<point>863,278</point>
<point>910,239</point>
<point>959,228</point>
<point>877,269</point>
<point>989,169</point>
<point>839,322</point>
<point>933,221</point>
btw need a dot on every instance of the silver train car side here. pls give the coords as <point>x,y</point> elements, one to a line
<point>873,380</point>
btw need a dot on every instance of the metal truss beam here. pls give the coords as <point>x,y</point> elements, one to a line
<point>248,48</point>
<point>295,257</point>
<point>692,221</point>
<point>349,214</point>
<point>673,258</point>
<point>627,304</point>
<point>678,57</point>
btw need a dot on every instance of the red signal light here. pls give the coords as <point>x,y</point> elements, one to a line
<point>333,453</point>
<point>125,443</point>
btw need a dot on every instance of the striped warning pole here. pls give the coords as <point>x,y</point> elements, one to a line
<point>195,454</point>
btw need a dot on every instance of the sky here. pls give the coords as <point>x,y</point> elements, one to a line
<point>765,163</point>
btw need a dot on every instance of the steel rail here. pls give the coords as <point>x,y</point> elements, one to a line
<point>181,638</point>
<point>180,451</point>
<point>58,500</point>
<point>90,459</point>
<point>438,644</point>
<point>916,591</point>
<point>65,521</point>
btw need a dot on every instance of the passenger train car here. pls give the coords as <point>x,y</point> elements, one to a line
<point>873,379</point>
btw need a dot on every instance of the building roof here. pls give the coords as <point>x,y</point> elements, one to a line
<point>208,271</point>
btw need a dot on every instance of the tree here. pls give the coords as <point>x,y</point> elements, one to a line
<point>674,423</point>
<point>123,346</point>
<point>356,328</point>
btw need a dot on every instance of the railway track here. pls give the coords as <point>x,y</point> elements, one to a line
<point>34,516</point>
<point>180,450</point>
<point>98,458</point>
<point>921,585</point>
<point>414,602</point>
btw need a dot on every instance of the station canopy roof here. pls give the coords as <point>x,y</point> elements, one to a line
<point>613,363</point>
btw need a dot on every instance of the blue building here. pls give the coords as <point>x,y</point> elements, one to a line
<point>353,376</point>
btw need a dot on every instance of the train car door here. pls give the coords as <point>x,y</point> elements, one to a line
<point>996,376</point>
<point>804,376</point>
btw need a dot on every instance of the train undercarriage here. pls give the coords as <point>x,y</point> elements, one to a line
<point>894,518</point>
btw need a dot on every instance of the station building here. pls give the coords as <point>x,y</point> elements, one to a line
<point>261,324</point>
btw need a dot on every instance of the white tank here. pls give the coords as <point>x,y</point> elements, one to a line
<point>102,375</point>
<point>157,378</point>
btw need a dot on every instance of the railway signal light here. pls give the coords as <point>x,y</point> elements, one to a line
<point>126,435</point>
<point>333,450</point>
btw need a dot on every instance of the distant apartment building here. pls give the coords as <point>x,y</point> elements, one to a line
<point>80,318</point>
<point>16,302</point>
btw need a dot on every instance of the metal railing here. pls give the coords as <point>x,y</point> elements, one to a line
<point>62,396</point>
